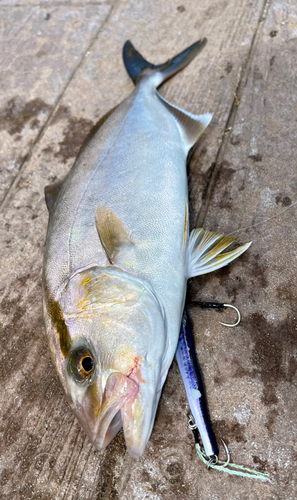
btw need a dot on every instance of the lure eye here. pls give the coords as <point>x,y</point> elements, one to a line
<point>81,364</point>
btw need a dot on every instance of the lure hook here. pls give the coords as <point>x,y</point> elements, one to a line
<point>238,317</point>
<point>219,305</point>
<point>227,454</point>
<point>214,459</point>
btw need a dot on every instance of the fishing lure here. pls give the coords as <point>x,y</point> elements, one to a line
<point>199,419</point>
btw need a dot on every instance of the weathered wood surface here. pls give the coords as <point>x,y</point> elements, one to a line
<point>41,48</point>
<point>246,176</point>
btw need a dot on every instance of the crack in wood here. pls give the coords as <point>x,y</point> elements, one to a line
<point>244,74</point>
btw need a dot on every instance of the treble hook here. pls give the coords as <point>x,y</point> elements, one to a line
<point>219,305</point>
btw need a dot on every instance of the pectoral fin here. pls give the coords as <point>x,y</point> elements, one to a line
<point>204,252</point>
<point>51,194</point>
<point>192,126</point>
<point>112,232</point>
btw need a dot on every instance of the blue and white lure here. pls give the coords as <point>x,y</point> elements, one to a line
<point>199,419</point>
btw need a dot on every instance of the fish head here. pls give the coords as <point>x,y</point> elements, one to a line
<point>107,335</point>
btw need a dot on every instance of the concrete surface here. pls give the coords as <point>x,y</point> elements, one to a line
<point>242,179</point>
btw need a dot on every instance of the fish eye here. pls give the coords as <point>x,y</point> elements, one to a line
<point>81,364</point>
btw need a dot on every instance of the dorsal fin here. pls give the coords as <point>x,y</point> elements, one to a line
<point>51,194</point>
<point>192,126</point>
<point>112,232</point>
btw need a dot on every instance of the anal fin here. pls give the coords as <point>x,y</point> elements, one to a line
<point>204,252</point>
<point>192,126</point>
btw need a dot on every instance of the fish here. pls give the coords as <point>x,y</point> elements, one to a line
<point>118,255</point>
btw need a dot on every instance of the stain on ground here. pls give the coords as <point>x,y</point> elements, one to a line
<point>256,157</point>
<point>273,414</point>
<point>257,276</point>
<point>74,135</point>
<point>229,67</point>
<point>272,355</point>
<point>17,113</point>
<point>271,62</point>
<point>235,139</point>
<point>284,201</point>
<point>230,430</point>
<point>262,464</point>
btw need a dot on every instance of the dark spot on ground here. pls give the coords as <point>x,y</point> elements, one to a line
<point>273,414</point>
<point>231,285</point>
<point>73,138</point>
<point>229,431</point>
<point>235,140</point>
<point>285,201</point>
<point>273,33</point>
<point>226,173</point>
<point>215,10</point>
<point>262,464</point>
<point>62,113</point>
<point>257,73</point>
<point>17,113</point>
<point>40,53</point>
<point>229,67</point>
<point>256,157</point>
<point>223,185</point>
<point>272,355</point>
<point>181,8</point>
<point>48,150</point>
<point>35,123</point>
<point>239,370</point>
<point>257,270</point>
<point>271,62</point>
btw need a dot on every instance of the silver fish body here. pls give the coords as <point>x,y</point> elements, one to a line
<point>116,261</point>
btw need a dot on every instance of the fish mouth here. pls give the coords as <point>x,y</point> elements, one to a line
<point>122,406</point>
<point>119,390</point>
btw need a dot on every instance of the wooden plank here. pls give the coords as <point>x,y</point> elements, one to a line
<point>46,454</point>
<point>40,48</point>
<point>252,392</point>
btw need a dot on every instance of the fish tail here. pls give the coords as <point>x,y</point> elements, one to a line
<point>137,66</point>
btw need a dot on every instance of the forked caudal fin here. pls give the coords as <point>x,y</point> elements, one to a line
<point>204,252</point>
<point>191,126</point>
<point>137,66</point>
